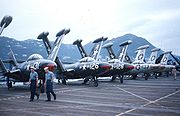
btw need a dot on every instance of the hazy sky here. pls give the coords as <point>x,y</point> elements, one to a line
<point>156,20</point>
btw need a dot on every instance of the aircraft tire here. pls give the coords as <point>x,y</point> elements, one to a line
<point>9,85</point>
<point>113,78</point>
<point>121,79</point>
<point>95,83</point>
<point>146,77</point>
<point>134,77</point>
<point>64,82</point>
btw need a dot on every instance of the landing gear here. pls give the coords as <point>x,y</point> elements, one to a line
<point>121,78</point>
<point>156,75</point>
<point>86,80</point>
<point>9,83</point>
<point>134,77</point>
<point>92,80</point>
<point>95,82</point>
<point>113,78</point>
<point>63,80</point>
<point>146,76</point>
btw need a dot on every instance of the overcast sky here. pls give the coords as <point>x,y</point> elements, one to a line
<point>156,20</point>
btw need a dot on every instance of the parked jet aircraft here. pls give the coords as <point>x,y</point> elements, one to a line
<point>163,66</point>
<point>86,67</point>
<point>5,22</point>
<point>20,72</point>
<point>117,66</point>
<point>139,63</point>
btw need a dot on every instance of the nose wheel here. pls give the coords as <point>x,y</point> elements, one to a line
<point>94,81</point>
<point>121,78</point>
<point>9,83</point>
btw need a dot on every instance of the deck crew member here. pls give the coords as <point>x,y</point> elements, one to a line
<point>49,76</point>
<point>33,80</point>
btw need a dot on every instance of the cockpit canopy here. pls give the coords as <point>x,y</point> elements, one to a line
<point>86,59</point>
<point>34,57</point>
<point>114,61</point>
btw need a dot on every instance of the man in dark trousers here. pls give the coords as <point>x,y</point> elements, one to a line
<point>33,80</point>
<point>49,76</point>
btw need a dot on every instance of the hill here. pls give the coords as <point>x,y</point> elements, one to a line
<point>68,52</point>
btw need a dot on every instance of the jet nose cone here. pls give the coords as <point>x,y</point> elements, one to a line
<point>105,66</point>
<point>129,66</point>
<point>51,65</point>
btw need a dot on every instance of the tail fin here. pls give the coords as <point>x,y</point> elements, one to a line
<point>165,58</point>
<point>13,58</point>
<point>48,46</point>
<point>55,48</point>
<point>141,54</point>
<point>80,47</point>
<point>46,41</point>
<point>97,48</point>
<point>153,56</point>
<point>123,50</point>
<point>127,59</point>
<point>2,67</point>
<point>108,46</point>
<point>5,22</point>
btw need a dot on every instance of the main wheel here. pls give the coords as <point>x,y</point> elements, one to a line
<point>9,85</point>
<point>121,78</point>
<point>113,78</point>
<point>95,83</point>
<point>134,77</point>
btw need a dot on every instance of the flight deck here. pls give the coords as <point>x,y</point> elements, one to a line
<point>160,97</point>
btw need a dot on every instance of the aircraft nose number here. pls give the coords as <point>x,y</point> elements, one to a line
<point>93,66</point>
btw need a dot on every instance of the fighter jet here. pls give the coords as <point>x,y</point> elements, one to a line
<point>20,72</point>
<point>163,66</point>
<point>117,66</point>
<point>140,65</point>
<point>87,67</point>
<point>149,67</point>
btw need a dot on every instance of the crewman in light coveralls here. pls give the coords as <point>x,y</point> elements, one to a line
<point>49,76</point>
<point>33,80</point>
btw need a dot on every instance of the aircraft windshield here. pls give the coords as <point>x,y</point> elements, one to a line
<point>87,59</point>
<point>113,61</point>
<point>34,57</point>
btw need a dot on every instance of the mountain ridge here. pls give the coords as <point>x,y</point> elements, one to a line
<point>68,52</point>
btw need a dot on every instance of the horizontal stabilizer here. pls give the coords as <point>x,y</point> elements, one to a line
<point>123,51</point>
<point>6,21</point>
<point>153,56</point>
<point>97,47</point>
<point>165,57</point>
<point>125,43</point>
<point>80,47</point>
<point>140,57</point>
<point>55,49</point>
<point>108,46</point>
<point>46,41</point>
<point>100,39</point>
